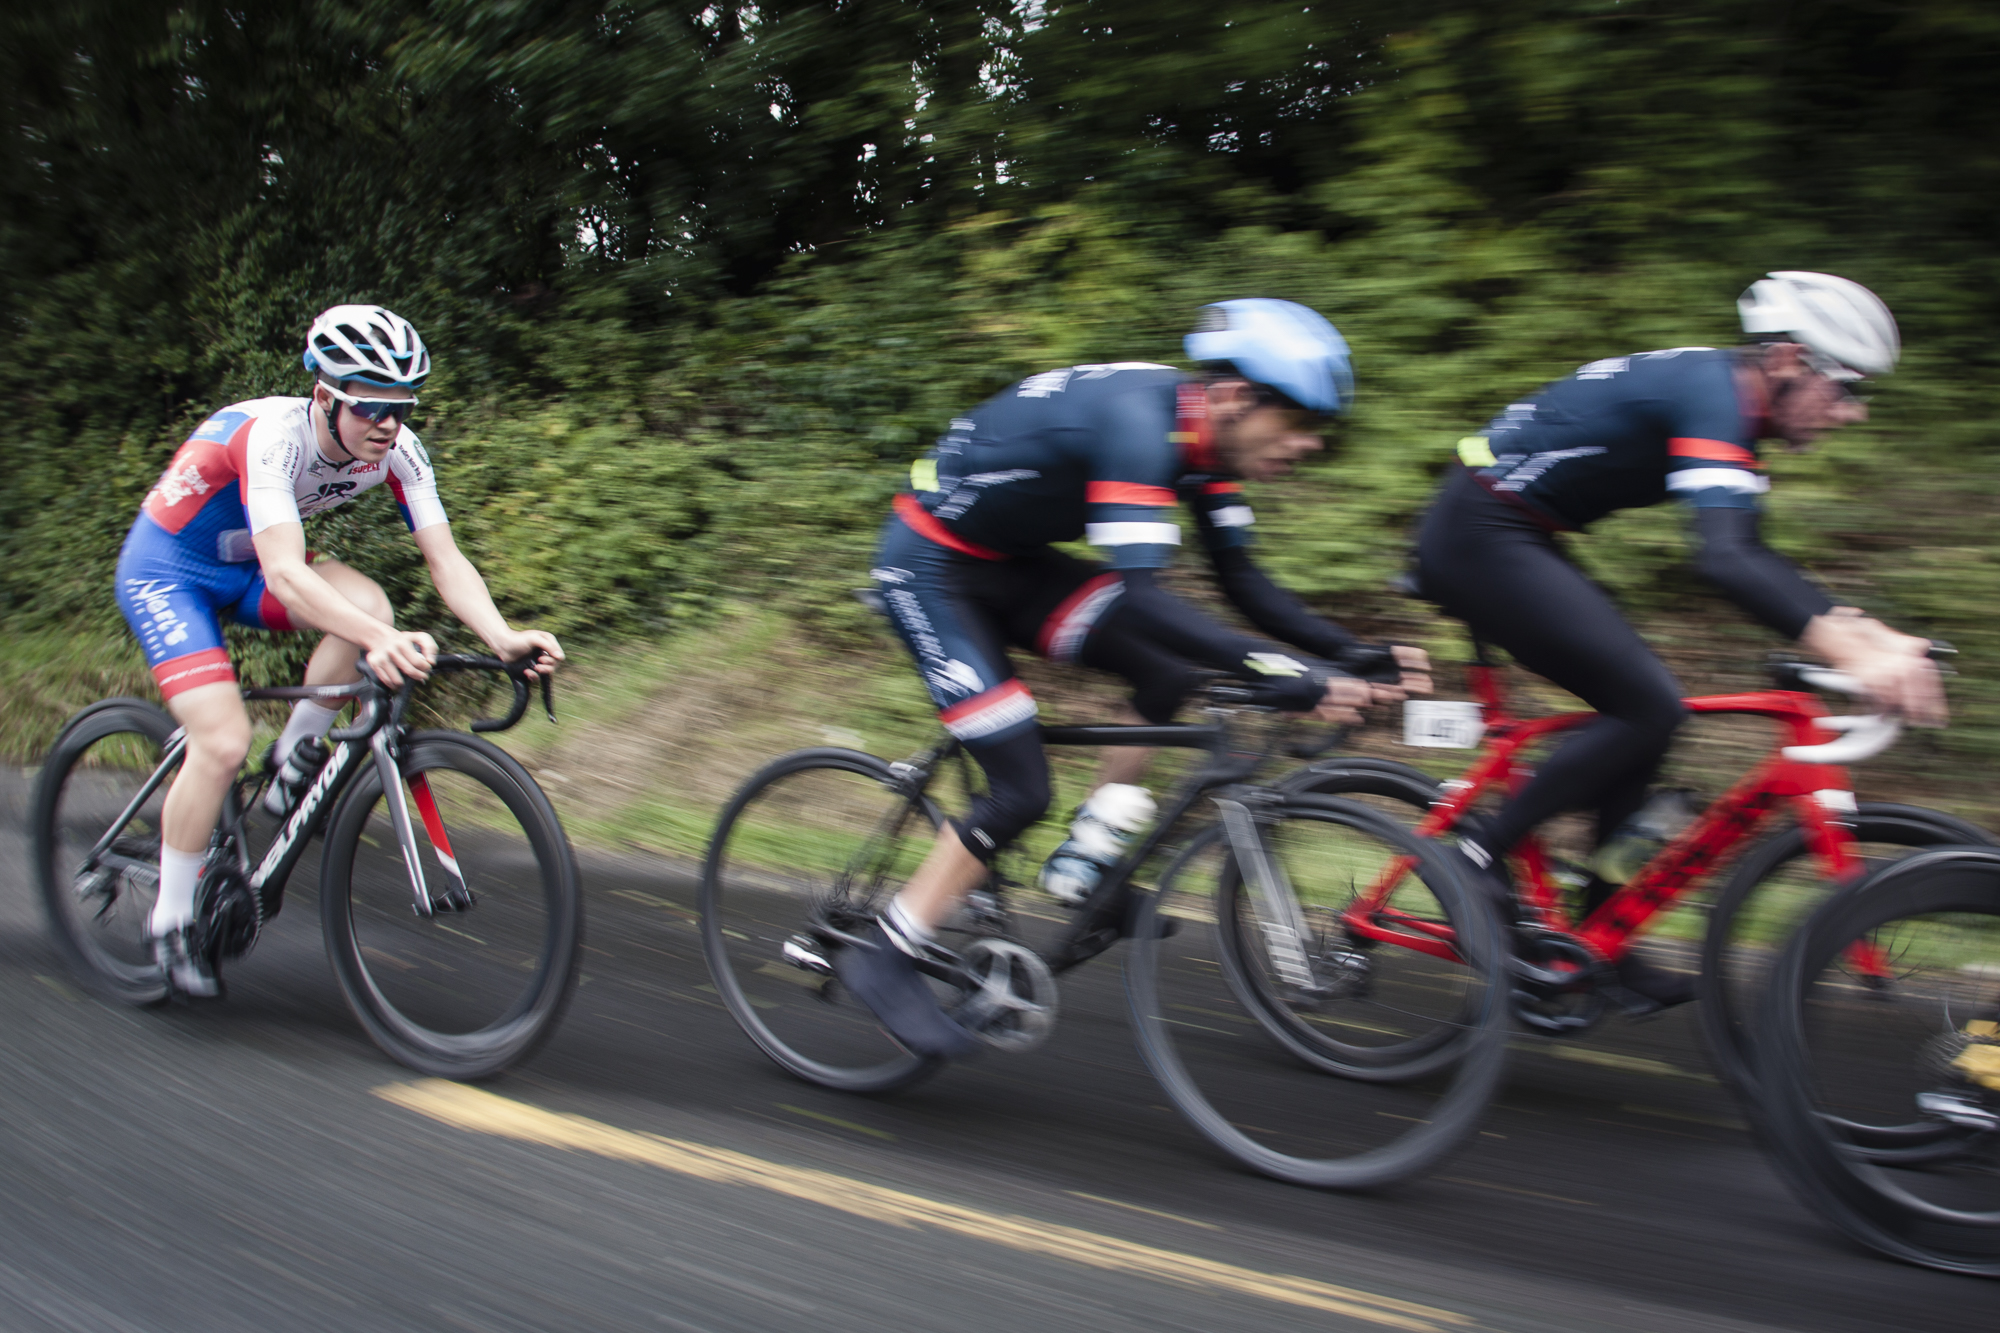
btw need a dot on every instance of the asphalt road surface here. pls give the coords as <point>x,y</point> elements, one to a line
<point>257,1164</point>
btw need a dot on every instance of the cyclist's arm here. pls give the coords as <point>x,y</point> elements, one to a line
<point>1273,609</point>
<point>1771,588</point>
<point>312,601</point>
<point>464,591</point>
<point>1152,611</point>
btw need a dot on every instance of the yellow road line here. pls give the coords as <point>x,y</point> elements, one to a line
<point>478,1111</point>
<point>1150,1212</point>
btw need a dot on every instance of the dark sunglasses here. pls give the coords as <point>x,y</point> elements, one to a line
<point>376,409</point>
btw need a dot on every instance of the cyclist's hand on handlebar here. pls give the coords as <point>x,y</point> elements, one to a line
<point>404,653</point>
<point>1415,665</point>
<point>1344,699</point>
<point>515,644</point>
<point>1895,669</point>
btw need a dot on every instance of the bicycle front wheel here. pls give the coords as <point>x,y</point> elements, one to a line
<point>1908,1038</point>
<point>1413,1026</point>
<point>458,994</point>
<point>1768,896</point>
<point>819,838</point>
<point>98,915</point>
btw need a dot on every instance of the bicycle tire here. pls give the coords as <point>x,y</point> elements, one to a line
<point>1731,975</point>
<point>1366,777</point>
<point>1933,911</point>
<point>76,796</point>
<point>506,998</point>
<point>784,849</point>
<point>1361,1142</point>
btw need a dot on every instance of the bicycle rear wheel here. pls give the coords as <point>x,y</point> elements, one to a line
<point>98,918</point>
<point>1839,1048</point>
<point>1768,896</point>
<point>1417,1039</point>
<point>818,838</point>
<point>460,994</point>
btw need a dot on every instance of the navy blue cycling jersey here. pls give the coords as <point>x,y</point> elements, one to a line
<point>1624,433</point>
<point>1099,452</point>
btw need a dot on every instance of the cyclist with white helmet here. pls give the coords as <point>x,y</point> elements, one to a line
<point>1628,432</point>
<point>219,538</point>
<point>966,569</point>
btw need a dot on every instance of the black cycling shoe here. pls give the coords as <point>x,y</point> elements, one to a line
<point>1487,871</point>
<point>1651,988</point>
<point>886,979</point>
<point>189,969</point>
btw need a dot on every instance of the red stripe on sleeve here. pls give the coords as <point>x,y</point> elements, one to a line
<point>1714,451</point>
<point>1126,493</point>
<point>1222,488</point>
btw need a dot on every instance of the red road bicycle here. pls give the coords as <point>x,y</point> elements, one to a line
<point>1563,964</point>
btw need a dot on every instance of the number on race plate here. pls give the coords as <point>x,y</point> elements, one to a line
<point>1442,724</point>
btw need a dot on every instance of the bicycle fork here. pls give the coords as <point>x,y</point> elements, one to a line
<point>1279,918</point>
<point>458,897</point>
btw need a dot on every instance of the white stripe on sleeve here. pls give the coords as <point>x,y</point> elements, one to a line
<point>1232,516</point>
<point>1132,534</point>
<point>1718,478</point>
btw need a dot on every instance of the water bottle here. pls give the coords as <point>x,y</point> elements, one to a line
<point>1103,828</point>
<point>1638,840</point>
<point>304,761</point>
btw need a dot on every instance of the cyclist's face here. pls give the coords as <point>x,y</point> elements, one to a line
<point>1260,441</point>
<point>1804,404</point>
<point>368,441</point>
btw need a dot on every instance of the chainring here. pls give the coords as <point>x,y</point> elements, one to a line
<point>1012,1005</point>
<point>228,913</point>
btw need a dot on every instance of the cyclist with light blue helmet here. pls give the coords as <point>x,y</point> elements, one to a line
<point>967,569</point>
<point>221,538</point>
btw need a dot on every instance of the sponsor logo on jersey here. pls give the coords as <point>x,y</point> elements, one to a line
<point>953,678</point>
<point>1045,385</point>
<point>177,484</point>
<point>1605,369</point>
<point>329,494</point>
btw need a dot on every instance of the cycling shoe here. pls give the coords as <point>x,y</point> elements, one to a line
<point>886,979</point>
<point>189,969</point>
<point>1650,987</point>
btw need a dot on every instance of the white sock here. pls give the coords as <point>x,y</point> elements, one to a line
<point>175,905</point>
<point>308,719</point>
<point>904,930</point>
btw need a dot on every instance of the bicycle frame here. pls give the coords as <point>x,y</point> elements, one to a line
<point>1102,919</point>
<point>1820,795</point>
<point>381,728</point>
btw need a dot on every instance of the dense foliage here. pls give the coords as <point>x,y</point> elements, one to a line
<point>702,278</point>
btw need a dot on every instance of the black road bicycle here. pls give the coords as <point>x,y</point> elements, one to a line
<point>456,971</point>
<point>1244,990</point>
<point>1880,1085</point>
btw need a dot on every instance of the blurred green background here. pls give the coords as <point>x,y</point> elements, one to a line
<point>701,279</point>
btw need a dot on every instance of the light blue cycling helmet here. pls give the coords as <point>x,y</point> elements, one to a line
<point>367,343</point>
<point>1278,344</point>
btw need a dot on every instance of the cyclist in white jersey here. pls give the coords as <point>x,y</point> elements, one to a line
<point>220,537</point>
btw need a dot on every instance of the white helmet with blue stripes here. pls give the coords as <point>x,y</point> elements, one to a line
<point>1278,344</point>
<point>367,343</point>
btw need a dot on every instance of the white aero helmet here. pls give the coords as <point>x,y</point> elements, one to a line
<point>368,343</point>
<point>1850,333</point>
<point>1279,344</point>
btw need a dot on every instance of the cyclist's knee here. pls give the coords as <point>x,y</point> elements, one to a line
<point>1159,694</point>
<point>358,588</point>
<point>1017,794</point>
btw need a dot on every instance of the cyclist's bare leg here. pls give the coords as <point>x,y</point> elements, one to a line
<point>218,738</point>
<point>940,884</point>
<point>1123,764</point>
